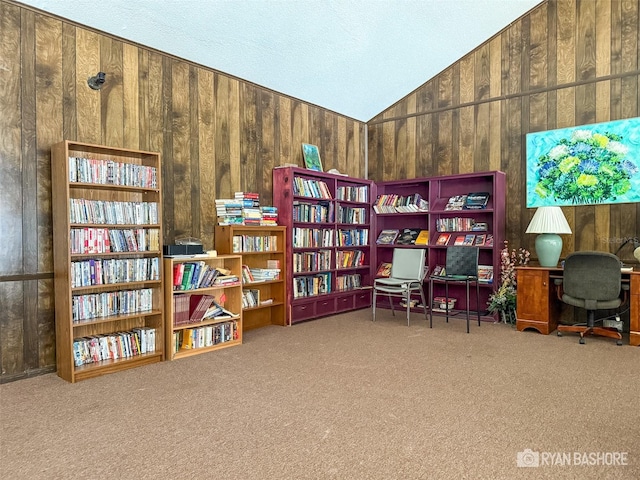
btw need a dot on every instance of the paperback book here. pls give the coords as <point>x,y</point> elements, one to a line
<point>387,237</point>
<point>423,238</point>
<point>407,236</point>
<point>443,239</point>
<point>384,270</point>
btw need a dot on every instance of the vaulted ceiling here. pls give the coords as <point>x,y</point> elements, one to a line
<point>355,57</point>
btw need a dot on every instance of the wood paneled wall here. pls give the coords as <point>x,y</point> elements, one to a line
<point>217,135</point>
<point>564,63</point>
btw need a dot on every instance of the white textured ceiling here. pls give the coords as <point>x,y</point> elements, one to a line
<point>355,57</point>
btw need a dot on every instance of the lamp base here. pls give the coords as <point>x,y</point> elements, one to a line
<point>548,249</point>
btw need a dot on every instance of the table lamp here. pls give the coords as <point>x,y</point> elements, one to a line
<point>548,222</point>
<point>636,247</point>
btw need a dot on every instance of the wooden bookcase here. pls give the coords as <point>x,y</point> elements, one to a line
<point>328,248</point>
<point>107,236</point>
<point>190,338</point>
<point>438,191</point>
<point>259,246</point>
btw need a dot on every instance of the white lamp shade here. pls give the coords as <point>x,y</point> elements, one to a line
<point>548,220</point>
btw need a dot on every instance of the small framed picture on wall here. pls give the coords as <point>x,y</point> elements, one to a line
<point>311,157</point>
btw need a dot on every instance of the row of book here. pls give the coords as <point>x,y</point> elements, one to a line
<point>107,304</point>
<point>321,212</point>
<point>352,237</point>
<point>355,215</point>
<point>469,201</point>
<point>91,240</point>
<point>198,274</point>
<point>460,224</point>
<point>250,297</point>
<point>353,193</point>
<point>312,261</point>
<point>254,243</point>
<point>308,286</point>
<point>312,237</point>
<point>394,203</point>
<point>188,309</point>
<point>97,348</point>
<point>406,236</point>
<point>469,239</point>
<point>350,258</point>
<point>304,187</point>
<point>205,336</point>
<point>348,282</point>
<point>102,212</point>
<point>108,172</point>
<point>114,270</point>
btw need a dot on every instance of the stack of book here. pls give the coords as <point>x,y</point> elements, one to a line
<point>251,213</point>
<point>229,211</point>
<point>269,216</point>
<point>245,209</point>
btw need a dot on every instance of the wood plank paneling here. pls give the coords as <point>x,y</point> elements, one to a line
<point>10,140</point>
<point>88,103</point>
<point>565,63</point>
<point>216,135</point>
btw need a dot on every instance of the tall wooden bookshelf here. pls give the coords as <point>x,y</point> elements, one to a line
<point>439,219</point>
<point>263,249</point>
<point>328,248</point>
<point>107,236</point>
<point>191,336</point>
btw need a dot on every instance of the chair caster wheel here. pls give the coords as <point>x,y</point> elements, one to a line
<point>582,342</point>
<point>619,343</point>
<point>559,334</point>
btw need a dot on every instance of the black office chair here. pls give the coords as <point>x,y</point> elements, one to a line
<point>591,280</point>
<point>461,266</point>
<point>407,275</point>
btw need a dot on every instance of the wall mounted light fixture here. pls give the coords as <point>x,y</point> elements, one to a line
<point>97,81</point>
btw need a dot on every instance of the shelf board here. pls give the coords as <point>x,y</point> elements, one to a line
<point>91,370</point>
<point>115,318</point>
<point>260,307</point>
<point>107,186</point>
<point>115,286</point>
<point>144,253</point>
<point>204,323</point>
<point>197,351</point>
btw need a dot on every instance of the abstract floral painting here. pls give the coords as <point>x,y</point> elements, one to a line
<point>584,165</point>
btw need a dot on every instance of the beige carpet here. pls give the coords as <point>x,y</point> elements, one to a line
<point>338,398</point>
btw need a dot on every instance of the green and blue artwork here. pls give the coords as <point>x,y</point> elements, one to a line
<point>311,157</point>
<point>585,165</point>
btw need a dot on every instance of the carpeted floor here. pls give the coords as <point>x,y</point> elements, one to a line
<point>340,398</point>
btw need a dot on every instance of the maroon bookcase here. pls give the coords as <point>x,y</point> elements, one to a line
<point>456,223</point>
<point>329,250</point>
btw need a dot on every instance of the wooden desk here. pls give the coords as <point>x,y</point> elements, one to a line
<point>538,306</point>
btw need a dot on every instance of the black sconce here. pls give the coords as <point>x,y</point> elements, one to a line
<point>96,82</point>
